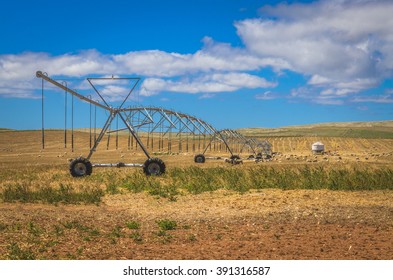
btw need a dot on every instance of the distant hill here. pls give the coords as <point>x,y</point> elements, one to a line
<point>380,129</point>
<point>371,130</point>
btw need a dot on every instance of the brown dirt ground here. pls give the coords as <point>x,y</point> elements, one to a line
<point>272,224</point>
<point>269,224</point>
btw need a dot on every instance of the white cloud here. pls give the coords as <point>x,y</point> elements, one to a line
<point>207,96</point>
<point>212,57</point>
<point>208,83</point>
<point>20,91</point>
<point>110,87</point>
<point>267,95</point>
<point>327,101</point>
<point>24,66</point>
<point>217,67</point>
<point>343,46</point>
<point>386,99</point>
<point>318,80</point>
<point>362,108</point>
<point>114,92</point>
<point>242,80</point>
<point>312,95</point>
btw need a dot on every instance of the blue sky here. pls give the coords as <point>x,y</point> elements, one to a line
<point>233,63</point>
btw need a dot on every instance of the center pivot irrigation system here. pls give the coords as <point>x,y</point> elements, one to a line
<point>162,130</point>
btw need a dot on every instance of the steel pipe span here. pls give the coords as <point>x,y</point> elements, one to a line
<point>157,129</point>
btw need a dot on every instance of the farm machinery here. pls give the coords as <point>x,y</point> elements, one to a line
<point>156,129</point>
<point>235,143</point>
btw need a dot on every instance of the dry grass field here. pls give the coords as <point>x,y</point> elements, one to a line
<point>295,206</point>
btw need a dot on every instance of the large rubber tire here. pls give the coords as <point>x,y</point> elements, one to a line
<point>235,159</point>
<point>154,166</point>
<point>200,158</point>
<point>80,167</point>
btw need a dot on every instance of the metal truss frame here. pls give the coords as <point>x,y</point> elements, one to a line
<point>236,142</point>
<point>82,166</point>
<point>163,123</point>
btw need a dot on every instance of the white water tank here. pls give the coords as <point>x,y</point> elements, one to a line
<point>317,148</point>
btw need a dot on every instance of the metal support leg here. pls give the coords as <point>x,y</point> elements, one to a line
<point>135,135</point>
<point>102,133</point>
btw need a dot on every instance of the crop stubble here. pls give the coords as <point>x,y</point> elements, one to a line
<point>223,224</point>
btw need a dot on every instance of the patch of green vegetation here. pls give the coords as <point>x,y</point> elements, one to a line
<point>58,230</point>
<point>137,237</point>
<point>166,191</point>
<point>133,225</point>
<point>136,182</point>
<point>164,236</point>
<point>65,194</point>
<point>192,237</point>
<point>186,227</point>
<point>197,180</point>
<point>167,224</point>
<point>242,180</point>
<point>34,229</point>
<point>54,189</point>
<point>369,130</point>
<point>15,252</point>
<point>112,188</point>
<point>116,232</point>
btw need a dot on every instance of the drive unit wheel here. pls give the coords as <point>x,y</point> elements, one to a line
<point>80,167</point>
<point>235,159</point>
<point>199,158</point>
<point>154,166</point>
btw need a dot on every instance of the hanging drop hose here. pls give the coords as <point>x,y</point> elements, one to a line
<point>42,115</point>
<point>117,132</point>
<point>90,124</point>
<point>95,124</point>
<point>65,116</point>
<point>72,123</point>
